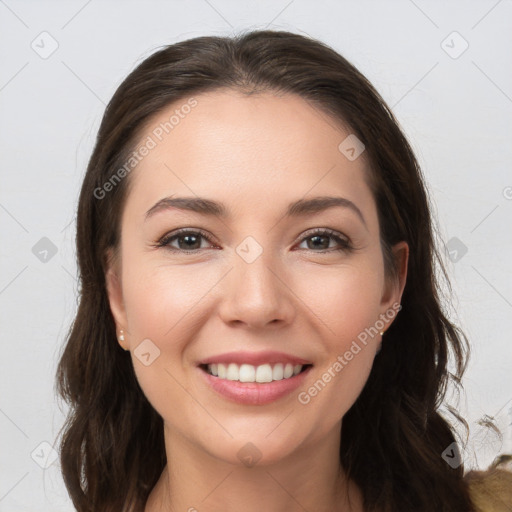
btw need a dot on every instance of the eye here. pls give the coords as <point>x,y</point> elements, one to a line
<point>188,240</point>
<point>320,240</point>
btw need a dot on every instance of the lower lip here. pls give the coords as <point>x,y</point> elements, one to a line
<point>253,393</point>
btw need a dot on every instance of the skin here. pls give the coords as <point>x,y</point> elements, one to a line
<point>256,154</point>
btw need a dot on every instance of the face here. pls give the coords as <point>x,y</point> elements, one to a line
<point>258,290</point>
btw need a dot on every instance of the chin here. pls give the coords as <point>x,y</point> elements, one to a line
<point>254,451</point>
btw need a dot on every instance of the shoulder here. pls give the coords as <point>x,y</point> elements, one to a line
<point>491,490</point>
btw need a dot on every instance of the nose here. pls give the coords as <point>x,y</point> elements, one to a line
<point>257,294</point>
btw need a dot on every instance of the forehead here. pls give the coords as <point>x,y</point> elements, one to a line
<point>262,124</point>
<point>257,146</point>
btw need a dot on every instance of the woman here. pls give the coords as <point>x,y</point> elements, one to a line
<point>253,230</point>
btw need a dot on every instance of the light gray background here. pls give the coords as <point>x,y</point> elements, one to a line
<point>456,112</point>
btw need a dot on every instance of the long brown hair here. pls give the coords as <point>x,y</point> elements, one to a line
<point>112,447</point>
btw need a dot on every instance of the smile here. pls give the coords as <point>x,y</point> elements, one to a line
<point>254,378</point>
<point>250,373</point>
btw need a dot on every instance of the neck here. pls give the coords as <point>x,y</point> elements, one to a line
<point>309,479</point>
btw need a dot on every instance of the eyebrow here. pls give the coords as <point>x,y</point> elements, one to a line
<point>209,207</point>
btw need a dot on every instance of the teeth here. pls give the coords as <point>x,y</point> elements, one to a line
<point>247,373</point>
<point>250,373</point>
<point>264,373</point>
<point>232,372</point>
<point>278,372</point>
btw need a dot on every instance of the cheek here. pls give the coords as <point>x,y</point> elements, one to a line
<point>346,299</point>
<point>161,299</point>
<point>336,388</point>
<point>347,303</point>
<point>163,304</point>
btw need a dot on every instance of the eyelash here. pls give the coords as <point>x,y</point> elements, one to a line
<point>345,245</point>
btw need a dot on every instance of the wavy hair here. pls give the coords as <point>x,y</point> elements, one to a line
<point>112,447</point>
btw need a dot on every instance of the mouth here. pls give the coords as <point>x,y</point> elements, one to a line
<point>263,373</point>
<point>254,378</point>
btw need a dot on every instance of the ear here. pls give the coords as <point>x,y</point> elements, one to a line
<point>115,295</point>
<point>394,285</point>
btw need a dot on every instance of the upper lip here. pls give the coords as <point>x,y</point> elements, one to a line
<point>254,358</point>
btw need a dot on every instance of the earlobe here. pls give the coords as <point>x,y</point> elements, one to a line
<point>115,298</point>
<point>121,340</point>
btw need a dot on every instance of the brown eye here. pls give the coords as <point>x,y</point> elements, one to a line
<point>321,239</point>
<point>187,240</point>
